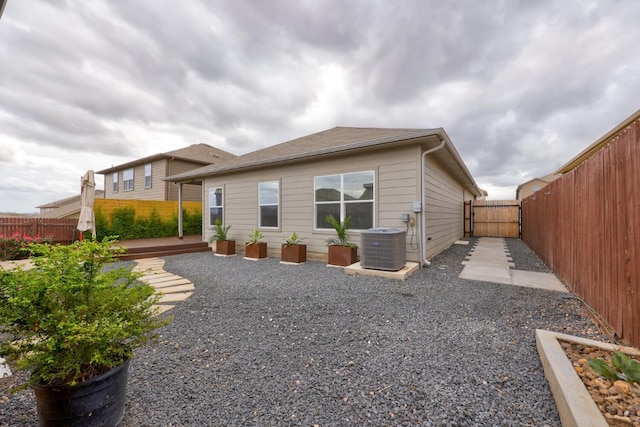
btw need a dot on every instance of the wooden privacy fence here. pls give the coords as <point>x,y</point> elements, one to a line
<point>492,218</point>
<point>59,230</point>
<point>143,208</point>
<point>586,227</point>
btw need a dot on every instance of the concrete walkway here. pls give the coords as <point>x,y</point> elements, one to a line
<point>489,261</point>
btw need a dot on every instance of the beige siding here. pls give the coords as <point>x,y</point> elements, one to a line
<point>160,189</point>
<point>528,189</point>
<point>190,192</point>
<point>396,189</point>
<point>108,185</point>
<point>443,207</point>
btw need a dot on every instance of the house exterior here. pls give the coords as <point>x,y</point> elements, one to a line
<point>65,208</point>
<point>143,179</point>
<point>526,189</point>
<point>411,179</point>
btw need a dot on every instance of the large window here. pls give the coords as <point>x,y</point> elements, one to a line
<point>215,205</point>
<point>115,182</point>
<point>147,175</point>
<point>269,200</point>
<point>349,194</point>
<point>127,179</point>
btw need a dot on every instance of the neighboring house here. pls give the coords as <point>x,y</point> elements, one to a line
<point>373,175</point>
<point>526,189</point>
<point>609,137</point>
<point>143,179</point>
<point>65,208</point>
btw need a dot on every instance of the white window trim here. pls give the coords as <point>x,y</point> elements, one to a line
<point>221,206</point>
<point>131,181</point>
<point>342,201</point>
<point>150,176</point>
<point>277,204</point>
<point>115,182</point>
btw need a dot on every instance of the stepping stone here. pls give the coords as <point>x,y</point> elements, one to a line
<point>175,297</point>
<point>175,281</point>
<point>177,289</point>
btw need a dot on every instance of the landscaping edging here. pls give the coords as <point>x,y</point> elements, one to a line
<point>575,405</point>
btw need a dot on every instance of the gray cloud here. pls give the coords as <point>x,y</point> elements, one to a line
<point>519,86</point>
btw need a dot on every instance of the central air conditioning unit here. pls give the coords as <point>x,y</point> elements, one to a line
<point>383,249</point>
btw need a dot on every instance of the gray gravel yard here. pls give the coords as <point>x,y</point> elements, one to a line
<point>265,344</point>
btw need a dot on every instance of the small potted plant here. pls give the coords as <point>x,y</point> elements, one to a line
<point>341,252</point>
<point>293,251</point>
<point>224,246</point>
<point>255,247</point>
<point>73,325</point>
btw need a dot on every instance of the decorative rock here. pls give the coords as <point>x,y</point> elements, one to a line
<point>611,409</point>
<point>623,386</point>
<point>623,419</point>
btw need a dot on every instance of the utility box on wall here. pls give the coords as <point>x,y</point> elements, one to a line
<point>383,248</point>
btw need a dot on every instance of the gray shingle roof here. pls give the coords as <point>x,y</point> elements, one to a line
<point>318,144</point>
<point>203,154</point>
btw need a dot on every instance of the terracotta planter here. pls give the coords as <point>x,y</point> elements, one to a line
<point>96,402</point>
<point>296,254</point>
<point>226,247</point>
<point>256,250</point>
<point>342,255</point>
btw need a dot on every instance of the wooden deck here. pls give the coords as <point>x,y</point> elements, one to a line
<point>163,246</point>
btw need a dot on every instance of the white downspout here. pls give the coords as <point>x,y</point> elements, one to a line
<point>423,191</point>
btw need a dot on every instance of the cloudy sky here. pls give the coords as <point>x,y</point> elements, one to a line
<point>519,86</point>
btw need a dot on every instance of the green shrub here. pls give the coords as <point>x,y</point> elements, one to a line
<point>16,246</point>
<point>126,225</point>
<point>69,319</point>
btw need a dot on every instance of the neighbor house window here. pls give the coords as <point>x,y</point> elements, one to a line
<point>215,205</point>
<point>268,203</point>
<point>127,179</point>
<point>147,175</point>
<point>349,194</point>
<point>115,182</point>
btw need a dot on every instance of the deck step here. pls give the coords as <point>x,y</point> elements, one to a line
<point>164,250</point>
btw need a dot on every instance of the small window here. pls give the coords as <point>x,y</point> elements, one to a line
<point>127,179</point>
<point>535,188</point>
<point>115,182</point>
<point>147,175</point>
<point>215,205</point>
<point>349,194</point>
<point>269,201</point>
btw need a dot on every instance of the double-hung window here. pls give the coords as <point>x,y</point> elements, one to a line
<point>147,175</point>
<point>269,202</point>
<point>127,179</point>
<point>345,195</point>
<point>115,182</point>
<point>215,205</point>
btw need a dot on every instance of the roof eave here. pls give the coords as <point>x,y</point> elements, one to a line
<point>153,158</point>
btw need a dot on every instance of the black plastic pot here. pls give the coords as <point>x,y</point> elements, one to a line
<point>97,402</point>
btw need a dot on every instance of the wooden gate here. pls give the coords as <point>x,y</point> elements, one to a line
<point>492,218</point>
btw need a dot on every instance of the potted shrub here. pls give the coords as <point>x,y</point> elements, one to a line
<point>341,251</point>
<point>224,246</point>
<point>293,250</point>
<point>255,247</point>
<point>73,325</point>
